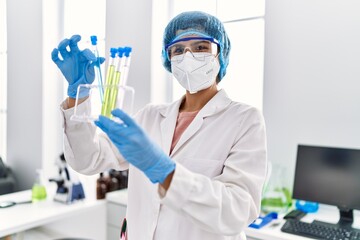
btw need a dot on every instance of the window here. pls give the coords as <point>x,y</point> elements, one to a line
<point>244,23</point>
<point>86,23</point>
<point>3,78</point>
<point>62,19</point>
<point>90,22</point>
<point>244,78</point>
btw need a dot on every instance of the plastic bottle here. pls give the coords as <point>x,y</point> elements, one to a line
<point>38,191</point>
<point>307,206</point>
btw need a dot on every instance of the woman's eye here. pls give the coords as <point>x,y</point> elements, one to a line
<point>177,50</point>
<point>202,48</point>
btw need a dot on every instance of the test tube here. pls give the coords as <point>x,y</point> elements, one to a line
<point>97,68</point>
<point>125,66</point>
<point>105,110</point>
<point>116,82</point>
<point>120,66</point>
<point>127,54</point>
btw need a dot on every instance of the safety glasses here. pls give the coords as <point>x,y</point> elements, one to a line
<point>177,49</point>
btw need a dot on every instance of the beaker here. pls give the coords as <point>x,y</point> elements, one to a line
<point>276,196</point>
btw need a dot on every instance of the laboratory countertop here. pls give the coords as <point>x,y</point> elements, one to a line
<point>272,230</point>
<point>22,217</point>
<point>118,197</point>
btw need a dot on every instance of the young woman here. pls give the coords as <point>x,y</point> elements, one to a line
<point>196,166</point>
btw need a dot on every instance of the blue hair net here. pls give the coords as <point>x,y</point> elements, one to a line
<point>198,23</point>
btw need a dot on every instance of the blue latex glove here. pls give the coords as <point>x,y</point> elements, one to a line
<point>136,147</point>
<point>76,66</point>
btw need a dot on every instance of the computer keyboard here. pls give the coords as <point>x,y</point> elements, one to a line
<point>318,230</point>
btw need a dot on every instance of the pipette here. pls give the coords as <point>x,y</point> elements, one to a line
<point>105,110</point>
<point>97,68</point>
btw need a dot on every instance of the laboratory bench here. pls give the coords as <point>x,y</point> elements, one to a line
<point>116,210</point>
<point>272,230</point>
<point>102,219</point>
<point>48,219</point>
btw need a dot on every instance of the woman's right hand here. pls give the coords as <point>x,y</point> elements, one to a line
<point>77,66</point>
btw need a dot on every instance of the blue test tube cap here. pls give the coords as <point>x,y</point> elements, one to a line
<point>127,51</point>
<point>113,52</point>
<point>121,51</point>
<point>93,40</point>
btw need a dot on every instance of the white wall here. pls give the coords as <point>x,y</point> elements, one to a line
<point>24,89</point>
<point>129,23</point>
<point>141,25</point>
<point>312,72</point>
<point>53,86</point>
<point>34,89</point>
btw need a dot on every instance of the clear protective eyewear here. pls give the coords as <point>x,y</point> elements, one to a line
<point>192,44</point>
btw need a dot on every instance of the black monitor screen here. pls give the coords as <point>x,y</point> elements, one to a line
<point>328,175</point>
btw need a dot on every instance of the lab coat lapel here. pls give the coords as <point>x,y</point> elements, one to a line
<point>168,124</point>
<point>216,104</point>
<point>189,132</point>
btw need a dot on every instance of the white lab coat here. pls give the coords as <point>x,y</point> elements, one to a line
<point>221,165</point>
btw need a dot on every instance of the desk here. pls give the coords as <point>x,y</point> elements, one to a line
<point>86,219</point>
<point>272,230</point>
<point>116,210</point>
<point>117,202</point>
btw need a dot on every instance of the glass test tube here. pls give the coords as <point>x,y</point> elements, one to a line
<point>124,71</point>
<point>116,82</point>
<point>127,53</point>
<point>97,67</point>
<point>105,110</point>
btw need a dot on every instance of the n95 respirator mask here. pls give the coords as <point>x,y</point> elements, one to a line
<point>195,71</point>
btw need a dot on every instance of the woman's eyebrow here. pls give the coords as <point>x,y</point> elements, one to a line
<point>182,44</point>
<point>199,42</point>
<point>193,42</point>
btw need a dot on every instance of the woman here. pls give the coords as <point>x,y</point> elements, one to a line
<point>196,166</point>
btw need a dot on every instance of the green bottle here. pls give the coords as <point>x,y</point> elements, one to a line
<point>38,191</point>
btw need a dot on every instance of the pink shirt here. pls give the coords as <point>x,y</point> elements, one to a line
<point>183,121</point>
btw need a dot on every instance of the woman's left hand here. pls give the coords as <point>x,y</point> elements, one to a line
<point>136,147</point>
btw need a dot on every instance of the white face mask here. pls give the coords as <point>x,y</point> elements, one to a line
<point>195,71</point>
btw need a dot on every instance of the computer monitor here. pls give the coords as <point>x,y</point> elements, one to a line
<point>329,175</point>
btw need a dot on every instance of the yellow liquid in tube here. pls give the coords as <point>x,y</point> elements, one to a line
<point>106,110</point>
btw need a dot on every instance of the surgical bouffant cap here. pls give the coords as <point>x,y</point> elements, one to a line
<point>202,24</point>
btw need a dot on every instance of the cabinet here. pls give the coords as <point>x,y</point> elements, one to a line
<point>116,203</point>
